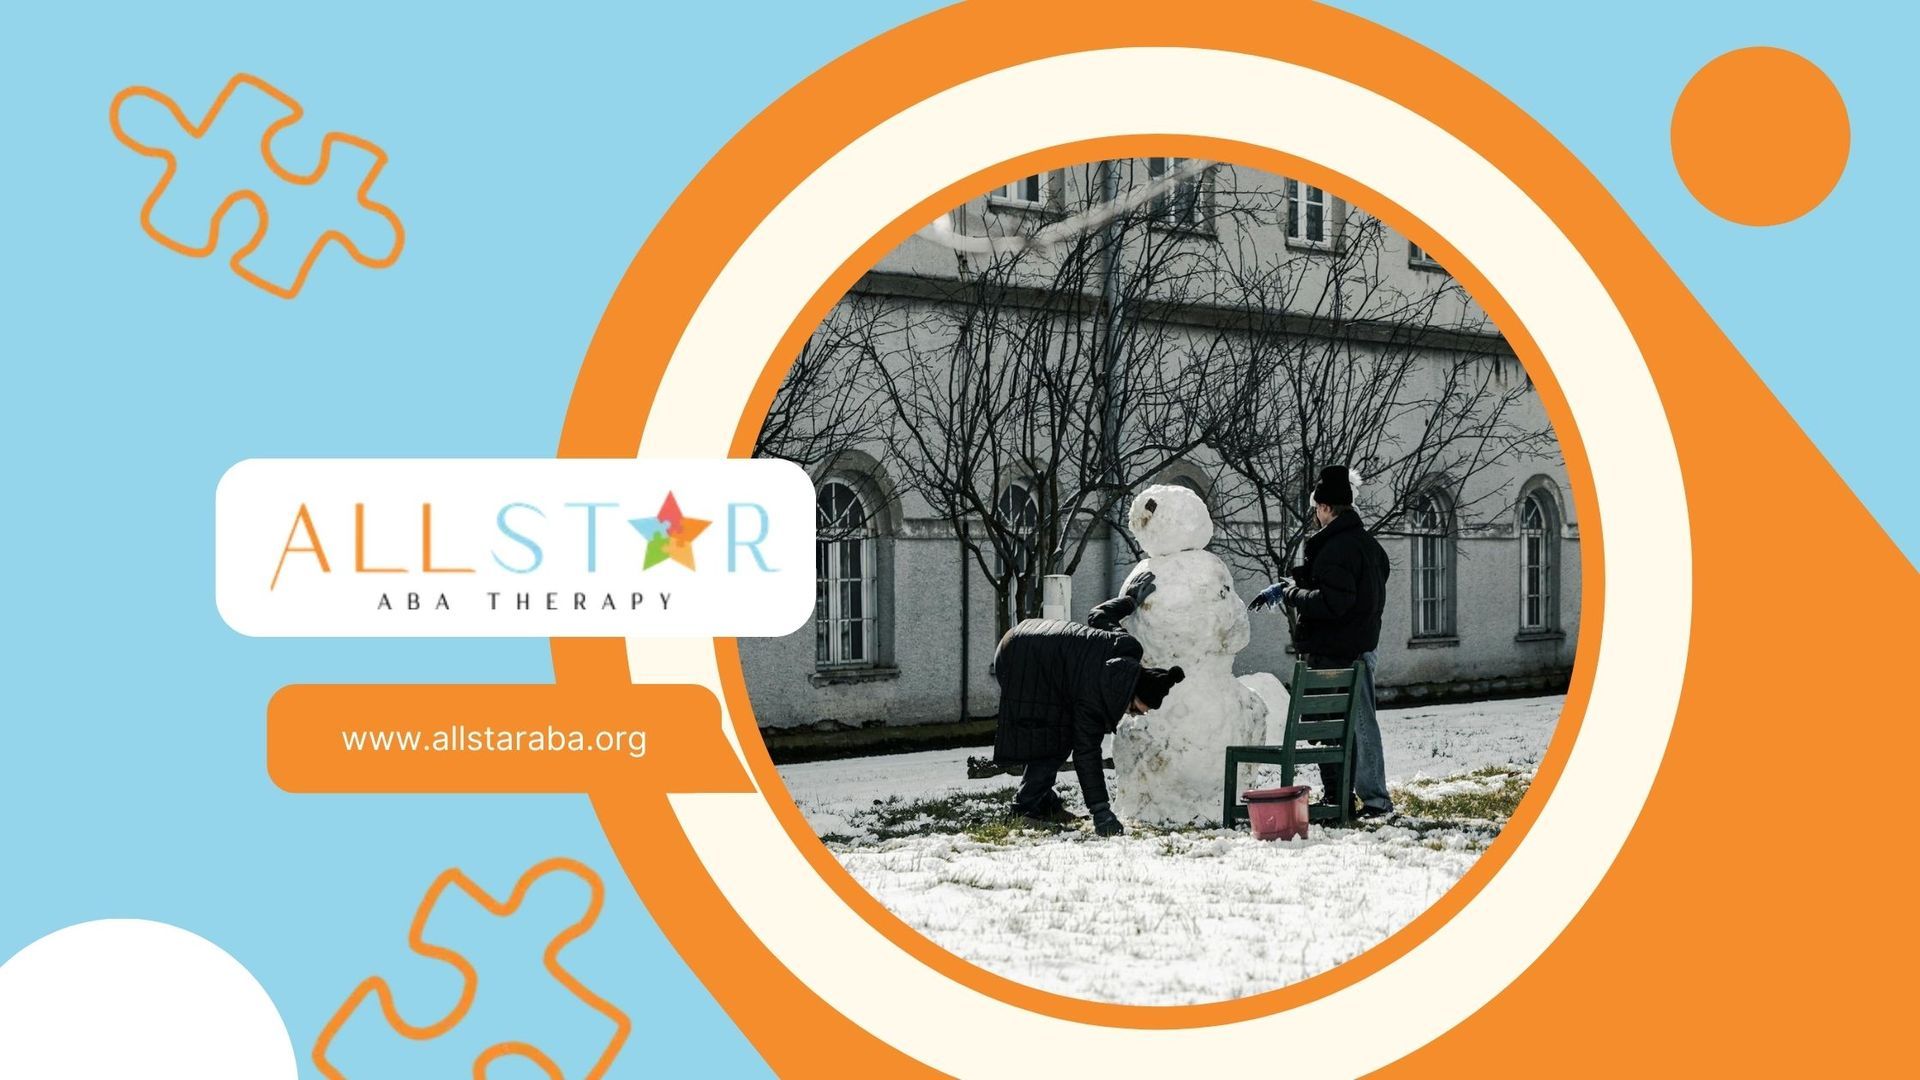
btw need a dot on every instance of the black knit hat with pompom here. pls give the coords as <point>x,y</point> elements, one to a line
<point>1154,684</point>
<point>1334,487</point>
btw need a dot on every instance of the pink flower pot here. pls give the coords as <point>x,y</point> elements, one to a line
<point>1277,813</point>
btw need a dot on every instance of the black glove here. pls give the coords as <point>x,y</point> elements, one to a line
<point>1105,822</point>
<point>1140,588</point>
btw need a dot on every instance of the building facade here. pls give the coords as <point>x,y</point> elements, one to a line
<point>1485,592</point>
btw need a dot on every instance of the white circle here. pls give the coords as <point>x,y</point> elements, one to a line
<point>1499,230</point>
<point>129,997</point>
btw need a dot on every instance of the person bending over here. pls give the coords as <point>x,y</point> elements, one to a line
<point>1063,688</point>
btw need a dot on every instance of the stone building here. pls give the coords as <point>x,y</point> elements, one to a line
<point>1485,593</point>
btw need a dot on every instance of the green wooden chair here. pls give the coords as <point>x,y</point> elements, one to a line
<point>1319,717</point>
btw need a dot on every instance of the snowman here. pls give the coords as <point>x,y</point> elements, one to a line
<point>1167,763</point>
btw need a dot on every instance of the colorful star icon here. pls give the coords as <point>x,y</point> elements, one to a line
<point>670,534</point>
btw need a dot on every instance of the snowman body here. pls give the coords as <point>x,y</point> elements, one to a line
<point>1168,763</point>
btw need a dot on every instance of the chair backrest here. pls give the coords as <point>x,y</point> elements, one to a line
<point>1321,703</point>
<point>1319,712</point>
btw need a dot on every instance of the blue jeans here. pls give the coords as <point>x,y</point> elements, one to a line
<point>1369,760</point>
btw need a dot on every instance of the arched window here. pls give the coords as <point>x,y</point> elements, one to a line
<point>1539,563</point>
<point>1182,472</point>
<point>844,614</point>
<point>1019,515</point>
<point>1191,483</point>
<point>1430,525</point>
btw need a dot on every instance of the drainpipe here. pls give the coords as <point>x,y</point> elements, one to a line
<point>966,635</point>
<point>1110,300</point>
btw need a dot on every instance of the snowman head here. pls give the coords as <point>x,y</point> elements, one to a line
<point>1166,518</point>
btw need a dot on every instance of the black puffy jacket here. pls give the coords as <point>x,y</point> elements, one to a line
<point>1063,687</point>
<point>1341,590</point>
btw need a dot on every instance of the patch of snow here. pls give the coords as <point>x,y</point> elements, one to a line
<point>1459,785</point>
<point>1160,919</point>
<point>1165,918</point>
<point>1274,693</point>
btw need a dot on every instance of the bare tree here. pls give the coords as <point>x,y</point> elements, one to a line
<point>1142,314</point>
<point>823,407</point>
<point>1041,386</point>
<point>1324,360</point>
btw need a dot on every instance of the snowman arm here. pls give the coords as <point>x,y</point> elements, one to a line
<point>1107,614</point>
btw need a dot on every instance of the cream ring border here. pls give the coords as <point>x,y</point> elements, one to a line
<point>1636,475</point>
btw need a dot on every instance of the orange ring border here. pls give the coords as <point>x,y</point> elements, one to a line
<point>749,175</point>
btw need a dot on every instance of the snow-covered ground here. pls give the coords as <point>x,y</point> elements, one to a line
<point>1434,741</point>
<point>1165,917</point>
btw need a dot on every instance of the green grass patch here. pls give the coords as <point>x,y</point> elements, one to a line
<point>997,833</point>
<point>959,812</point>
<point>1498,791</point>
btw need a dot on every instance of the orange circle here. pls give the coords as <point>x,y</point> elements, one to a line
<point>1760,136</point>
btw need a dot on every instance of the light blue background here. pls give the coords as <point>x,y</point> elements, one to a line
<point>1818,306</point>
<point>531,154</point>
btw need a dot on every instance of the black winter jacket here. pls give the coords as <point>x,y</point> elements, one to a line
<point>1063,687</point>
<point>1341,590</point>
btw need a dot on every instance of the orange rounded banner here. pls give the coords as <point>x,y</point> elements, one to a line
<point>512,738</point>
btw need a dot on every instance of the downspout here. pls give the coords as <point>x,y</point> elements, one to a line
<point>966,635</point>
<point>1109,298</point>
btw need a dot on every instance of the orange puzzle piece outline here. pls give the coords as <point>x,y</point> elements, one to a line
<point>266,153</point>
<point>470,979</point>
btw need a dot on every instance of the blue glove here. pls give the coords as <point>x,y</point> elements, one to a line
<point>1272,596</point>
<point>1105,821</point>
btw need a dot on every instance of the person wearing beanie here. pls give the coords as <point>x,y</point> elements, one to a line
<point>1063,688</point>
<point>1152,688</point>
<point>1338,595</point>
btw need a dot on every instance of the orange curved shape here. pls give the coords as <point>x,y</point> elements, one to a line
<point>470,980</point>
<point>193,130</point>
<point>1669,896</point>
<point>520,1050</point>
